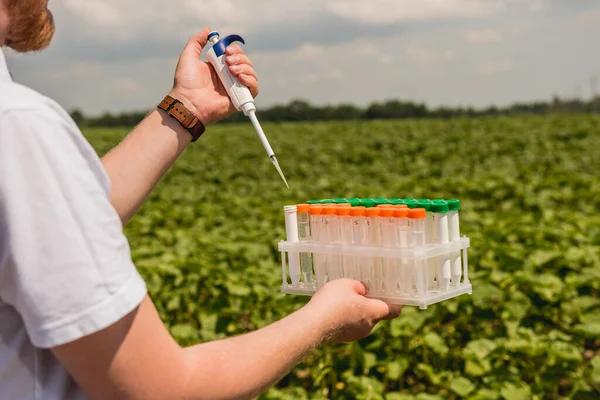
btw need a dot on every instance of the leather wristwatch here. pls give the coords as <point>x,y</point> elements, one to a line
<point>185,117</point>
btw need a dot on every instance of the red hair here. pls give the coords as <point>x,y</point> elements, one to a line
<point>31,25</point>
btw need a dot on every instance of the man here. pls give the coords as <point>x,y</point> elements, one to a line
<point>75,319</point>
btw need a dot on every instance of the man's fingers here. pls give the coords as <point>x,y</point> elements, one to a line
<point>243,69</point>
<point>237,59</point>
<point>394,311</point>
<point>194,46</point>
<point>250,82</point>
<point>233,49</point>
<point>382,310</point>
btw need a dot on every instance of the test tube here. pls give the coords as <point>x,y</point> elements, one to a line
<point>440,219</point>
<point>373,267</point>
<point>332,265</point>
<point>346,236</point>
<point>316,222</point>
<point>359,238</point>
<point>417,236</point>
<point>453,226</point>
<point>291,230</point>
<point>406,266</point>
<point>429,240</point>
<point>429,230</point>
<point>389,238</point>
<point>304,236</point>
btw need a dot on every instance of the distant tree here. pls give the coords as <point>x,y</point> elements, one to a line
<point>78,117</point>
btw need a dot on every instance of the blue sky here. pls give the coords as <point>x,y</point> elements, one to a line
<point>116,55</point>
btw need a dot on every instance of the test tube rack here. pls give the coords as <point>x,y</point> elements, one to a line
<point>398,263</point>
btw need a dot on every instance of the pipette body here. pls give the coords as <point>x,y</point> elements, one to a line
<point>238,93</point>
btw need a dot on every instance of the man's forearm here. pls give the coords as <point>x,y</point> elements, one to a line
<point>245,366</point>
<point>137,164</point>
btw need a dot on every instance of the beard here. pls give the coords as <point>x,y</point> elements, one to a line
<point>31,25</point>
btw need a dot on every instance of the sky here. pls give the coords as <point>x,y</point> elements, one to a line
<point>120,55</point>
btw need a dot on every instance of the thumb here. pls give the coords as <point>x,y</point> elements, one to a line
<point>382,310</point>
<point>193,47</point>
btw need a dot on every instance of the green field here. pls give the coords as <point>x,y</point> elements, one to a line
<point>206,242</point>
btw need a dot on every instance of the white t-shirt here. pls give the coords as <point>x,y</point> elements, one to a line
<point>65,264</point>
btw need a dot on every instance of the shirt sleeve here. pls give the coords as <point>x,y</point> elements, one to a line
<point>65,264</point>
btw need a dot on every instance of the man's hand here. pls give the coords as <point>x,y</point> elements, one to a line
<point>347,314</point>
<point>198,86</point>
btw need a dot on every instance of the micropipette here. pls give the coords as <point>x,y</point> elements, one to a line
<point>239,94</point>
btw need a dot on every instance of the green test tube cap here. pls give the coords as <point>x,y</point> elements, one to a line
<point>396,201</point>
<point>453,204</point>
<point>313,202</point>
<point>424,203</point>
<point>355,202</point>
<point>339,200</point>
<point>381,200</point>
<point>411,203</point>
<point>326,201</point>
<point>439,206</point>
<point>368,203</point>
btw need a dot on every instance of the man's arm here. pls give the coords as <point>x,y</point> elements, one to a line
<point>136,358</point>
<point>137,164</point>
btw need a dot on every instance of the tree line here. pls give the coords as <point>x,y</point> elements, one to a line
<point>302,110</point>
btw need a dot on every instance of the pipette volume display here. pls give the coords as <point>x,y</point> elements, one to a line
<point>238,93</point>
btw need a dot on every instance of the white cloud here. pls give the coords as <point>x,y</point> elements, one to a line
<point>483,36</point>
<point>588,17</point>
<point>128,15</point>
<point>389,11</point>
<point>495,67</point>
<point>421,55</point>
<point>537,5</point>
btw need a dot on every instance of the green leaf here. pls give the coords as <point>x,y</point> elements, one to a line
<point>591,331</point>
<point>208,324</point>
<point>592,317</point>
<point>369,361</point>
<point>477,367</point>
<point>541,258</point>
<point>479,349</point>
<point>408,323</point>
<point>237,289</point>
<point>427,370</point>
<point>399,396</point>
<point>513,392</point>
<point>486,296</point>
<point>518,306</point>
<point>548,287</point>
<point>580,304</point>
<point>396,368</point>
<point>595,374</point>
<point>174,303</point>
<point>184,332</point>
<point>486,394</point>
<point>435,343</point>
<point>462,386</point>
<point>427,396</point>
<point>566,351</point>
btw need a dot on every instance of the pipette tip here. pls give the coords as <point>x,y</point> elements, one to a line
<point>279,169</point>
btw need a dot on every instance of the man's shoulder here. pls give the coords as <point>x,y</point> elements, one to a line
<point>15,97</point>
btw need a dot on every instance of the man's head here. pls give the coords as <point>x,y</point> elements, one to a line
<point>30,26</point>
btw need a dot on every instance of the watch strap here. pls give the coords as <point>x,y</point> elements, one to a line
<point>185,117</point>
